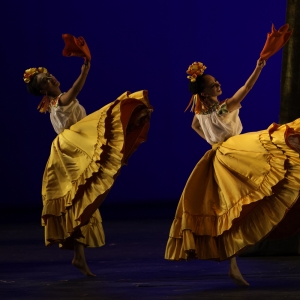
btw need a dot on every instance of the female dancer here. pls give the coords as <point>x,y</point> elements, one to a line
<point>85,158</point>
<point>242,190</point>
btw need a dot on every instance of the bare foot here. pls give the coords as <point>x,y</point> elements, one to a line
<point>191,254</point>
<point>235,274</point>
<point>141,116</point>
<point>83,267</point>
<point>147,115</point>
<point>238,280</point>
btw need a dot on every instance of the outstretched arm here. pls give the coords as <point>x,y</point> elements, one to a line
<point>237,98</point>
<point>196,126</point>
<point>72,93</point>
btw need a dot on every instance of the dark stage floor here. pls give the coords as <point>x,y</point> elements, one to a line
<point>130,265</point>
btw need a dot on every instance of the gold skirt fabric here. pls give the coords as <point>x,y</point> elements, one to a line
<point>239,192</point>
<point>83,165</point>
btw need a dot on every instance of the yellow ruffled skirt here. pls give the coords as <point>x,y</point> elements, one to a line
<point>83,165</point>
<point>240,192</point>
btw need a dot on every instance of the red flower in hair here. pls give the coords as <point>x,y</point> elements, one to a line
<point>194,70</point>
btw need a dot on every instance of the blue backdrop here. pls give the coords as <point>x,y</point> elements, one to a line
<point>134,45</point>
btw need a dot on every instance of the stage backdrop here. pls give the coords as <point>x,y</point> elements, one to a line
<point>135,45</point>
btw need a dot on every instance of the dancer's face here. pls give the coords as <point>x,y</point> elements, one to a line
<point>48,84</point>
<point>212,87</point>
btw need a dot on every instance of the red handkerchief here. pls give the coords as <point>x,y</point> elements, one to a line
<point>275,41</point>
<point>76,47</point>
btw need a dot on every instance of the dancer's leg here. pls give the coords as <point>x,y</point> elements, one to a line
<point>141,115</point>
<point>235,274</point>
<point>79,259</point>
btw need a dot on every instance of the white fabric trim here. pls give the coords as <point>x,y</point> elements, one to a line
<point>63,117</point>
<point>218,128</point>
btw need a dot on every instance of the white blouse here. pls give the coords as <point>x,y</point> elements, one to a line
<point>220,124</point>
<point>63,117</point>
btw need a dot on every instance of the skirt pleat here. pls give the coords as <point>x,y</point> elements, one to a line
<point>242,191</point>
<point>83,165</point>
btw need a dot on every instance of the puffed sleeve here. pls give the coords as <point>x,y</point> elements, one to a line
<point>220,124</point>
<point>63,117</point>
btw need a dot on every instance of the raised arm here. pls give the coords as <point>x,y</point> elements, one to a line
<point>237,98</point>
<point>72,93</point>
<point>196,126</point>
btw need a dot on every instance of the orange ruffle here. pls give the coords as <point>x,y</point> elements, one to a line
<point>83,165</point>
<point>236,195</point>
<point>76,47</point>
<point>276,39</point>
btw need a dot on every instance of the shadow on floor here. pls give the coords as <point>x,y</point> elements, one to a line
<point>130,265</point>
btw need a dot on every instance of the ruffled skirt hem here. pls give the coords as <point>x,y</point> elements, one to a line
<point>244,196</point>
<point>83,165</point>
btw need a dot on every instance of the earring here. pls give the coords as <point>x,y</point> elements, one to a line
<point>44,104</point>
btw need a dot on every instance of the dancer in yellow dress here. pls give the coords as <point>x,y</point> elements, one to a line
<point>244,189</point>
<point>85,158</point>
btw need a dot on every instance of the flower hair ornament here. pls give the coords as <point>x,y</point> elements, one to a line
<point>29,73</point>
<point>43,107</point>
<point>194,70</point>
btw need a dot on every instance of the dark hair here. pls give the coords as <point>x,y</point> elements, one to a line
<point>197,86</point>
<point>33,87</point>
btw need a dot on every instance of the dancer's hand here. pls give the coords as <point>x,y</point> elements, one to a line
<point>86,66</point>
<point>260,63</point>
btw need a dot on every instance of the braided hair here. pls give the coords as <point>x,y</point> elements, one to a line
<point>33,87</point>
<point>198,86</point>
